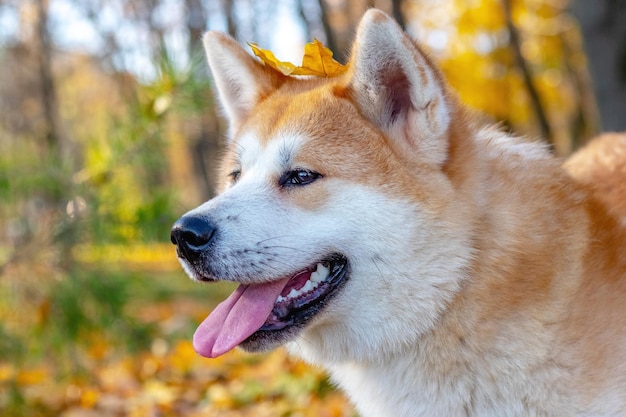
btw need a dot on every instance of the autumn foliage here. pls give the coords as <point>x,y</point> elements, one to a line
<point>172,380</point>
<point>96,315</point>
<point>118,343</point>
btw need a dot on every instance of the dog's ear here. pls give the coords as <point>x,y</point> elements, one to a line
<point>240,80</point>
<point>399,89</point>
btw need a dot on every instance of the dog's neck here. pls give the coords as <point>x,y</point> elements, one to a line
<point>513,286</point>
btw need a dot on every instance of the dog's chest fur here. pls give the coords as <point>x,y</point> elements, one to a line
<point>482,280</point>
<point>411,386</point>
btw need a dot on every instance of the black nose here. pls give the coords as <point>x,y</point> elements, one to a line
<point>192,235</point>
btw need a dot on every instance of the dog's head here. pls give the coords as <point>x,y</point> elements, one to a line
<point>337,214</point>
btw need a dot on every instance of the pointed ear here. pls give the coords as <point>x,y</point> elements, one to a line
<point>240,80</point>
<point>398,89</point>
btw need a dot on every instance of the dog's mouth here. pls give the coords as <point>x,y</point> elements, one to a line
<point>261,316</point>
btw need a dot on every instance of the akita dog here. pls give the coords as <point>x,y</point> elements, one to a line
<point>434,265</point>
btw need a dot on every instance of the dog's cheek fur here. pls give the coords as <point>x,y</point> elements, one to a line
<point>416,284</point>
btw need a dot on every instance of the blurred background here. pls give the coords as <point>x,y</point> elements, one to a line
<point>109,132</point>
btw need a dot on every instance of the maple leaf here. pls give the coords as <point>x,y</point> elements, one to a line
<point>317,60</point>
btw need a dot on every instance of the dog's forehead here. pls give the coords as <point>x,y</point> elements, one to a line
<point>280,127</point>
<point>269,154</point>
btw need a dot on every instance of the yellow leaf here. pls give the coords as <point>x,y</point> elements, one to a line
<point>318,61</point>
<point>268,58</point>
<point>33,376</point>
<point>89,398</point>
<point>7,372</point>
<point>160,392</point>
<point>220,397</point>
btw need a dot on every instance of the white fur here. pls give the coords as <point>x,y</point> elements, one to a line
<point>388,337</point>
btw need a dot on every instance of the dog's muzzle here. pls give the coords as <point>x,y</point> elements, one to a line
<point>192,236</point>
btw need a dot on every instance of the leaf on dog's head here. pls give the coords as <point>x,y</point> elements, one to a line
<point>318,61</point>
<point>268,58</point>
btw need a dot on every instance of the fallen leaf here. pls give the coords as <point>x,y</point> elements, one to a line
<point>33,376</point>
<point>7,371</point>
<point>89,398</point>
<point>159,392</point>
<point>270,59</point>
<point>318,61</point>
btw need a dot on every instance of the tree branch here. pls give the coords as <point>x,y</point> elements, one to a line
<point>535,101</point>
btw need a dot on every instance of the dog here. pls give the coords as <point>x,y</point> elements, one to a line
<point>433,264</point>
<point>601,165</point>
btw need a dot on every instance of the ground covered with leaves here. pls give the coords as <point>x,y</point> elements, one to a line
<point>107,340</point>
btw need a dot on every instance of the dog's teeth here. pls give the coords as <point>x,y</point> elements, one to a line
<point>320,274</point>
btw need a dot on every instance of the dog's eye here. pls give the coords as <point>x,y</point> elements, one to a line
<point>234,176</point>
<point>298,177</point>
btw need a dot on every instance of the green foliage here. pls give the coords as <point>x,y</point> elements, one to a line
<point>127,170</point>
<point>94,302</point>
<point>10,345</point>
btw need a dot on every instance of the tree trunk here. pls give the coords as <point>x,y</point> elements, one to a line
<point>48,88</point>
<point>603,23</point>
<point>229,12</point>
<point>396,7</point>
<point>331,40</point>
<point>522,65</point>
<point>203,147</point>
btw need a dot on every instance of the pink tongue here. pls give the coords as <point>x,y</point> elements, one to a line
<point>236,318</point>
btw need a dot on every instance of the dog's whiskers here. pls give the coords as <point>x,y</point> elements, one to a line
<point>280,237</point>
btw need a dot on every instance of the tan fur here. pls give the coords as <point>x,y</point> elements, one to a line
<point>532,321</point>
<point>602,165</point>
